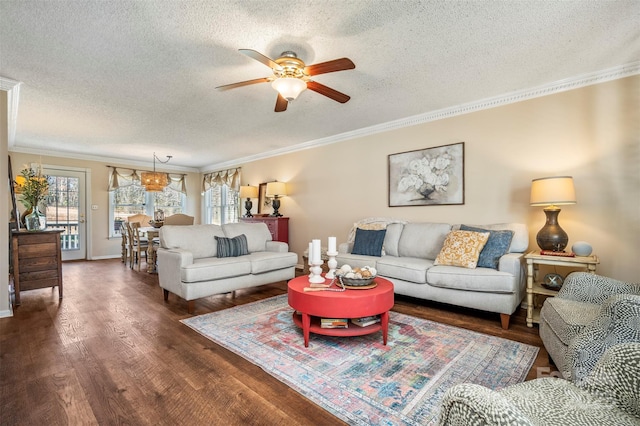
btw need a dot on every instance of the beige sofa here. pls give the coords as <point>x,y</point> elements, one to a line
<point>189,266</point>
<point>408,261</point>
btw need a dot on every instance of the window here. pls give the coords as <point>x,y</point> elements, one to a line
<point>127,197</point>
<point>221,205</point>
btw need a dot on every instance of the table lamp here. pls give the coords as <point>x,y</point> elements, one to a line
<point>248,192</point>
<point>552,192</point>
<point>276,190</point>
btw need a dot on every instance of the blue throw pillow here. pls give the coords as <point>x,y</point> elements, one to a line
<point>368,242</point>
<point>497,245</point>
<point>232,247</point>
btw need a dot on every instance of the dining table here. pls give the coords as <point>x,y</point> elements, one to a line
<point>153,236</point>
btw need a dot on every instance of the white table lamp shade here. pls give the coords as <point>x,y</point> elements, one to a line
<point>276,189</point>
<point>558,190</point>
<point>247,191</point>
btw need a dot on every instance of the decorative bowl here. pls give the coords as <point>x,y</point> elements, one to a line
<point>355,282</point>
<point>156,224</point>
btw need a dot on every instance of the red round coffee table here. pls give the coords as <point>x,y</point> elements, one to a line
<point>351,303</point>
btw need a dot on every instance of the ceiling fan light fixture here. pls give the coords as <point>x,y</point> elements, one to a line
<point>289,87</point>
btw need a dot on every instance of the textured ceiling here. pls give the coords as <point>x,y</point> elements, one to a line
<point>122,79</point>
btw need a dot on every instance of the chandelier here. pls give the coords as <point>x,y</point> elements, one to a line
<point>155,181</point>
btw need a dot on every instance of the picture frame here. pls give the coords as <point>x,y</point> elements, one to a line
<point>427,177</point>
<point>14,216</point>
<point>264,202</point>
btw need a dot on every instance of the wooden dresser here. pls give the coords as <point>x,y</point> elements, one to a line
<point>278,226</point>
<point>37,261</point>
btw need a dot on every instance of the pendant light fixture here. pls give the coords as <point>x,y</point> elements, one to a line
<point>155,181</point>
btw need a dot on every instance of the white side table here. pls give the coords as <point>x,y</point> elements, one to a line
<point>534,259</point>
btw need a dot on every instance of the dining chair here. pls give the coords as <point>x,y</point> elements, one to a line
<point>138,245</point>
<point>178,219</point>
<point>143,219</point>
<point>124,233</point>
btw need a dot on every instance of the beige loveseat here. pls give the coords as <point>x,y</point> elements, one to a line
<point>409,252</point>
<point>190,267</point>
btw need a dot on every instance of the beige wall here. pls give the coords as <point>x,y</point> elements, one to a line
<point>103,247</point>
<point>590,133</point>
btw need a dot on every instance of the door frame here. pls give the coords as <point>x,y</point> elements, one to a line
<point>87,200</point>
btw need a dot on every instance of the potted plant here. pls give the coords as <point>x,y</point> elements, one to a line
<point>33,188</point>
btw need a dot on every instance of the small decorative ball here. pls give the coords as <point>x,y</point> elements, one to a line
<point>582,248</point>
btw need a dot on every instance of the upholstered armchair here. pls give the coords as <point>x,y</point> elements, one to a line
<point>609,395</point>
<point>589,314</point>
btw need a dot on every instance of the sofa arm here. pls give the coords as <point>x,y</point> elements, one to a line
<point>170,263</point>
<point>591,288</point>
<point>470,404</point>
<point>616,323</point>
<point>512,263</point>
<point>277,246</point>
<point>345,248</point>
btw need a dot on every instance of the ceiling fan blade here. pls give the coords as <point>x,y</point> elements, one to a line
<point>261,58</point>
<point>243,83</point>
<point>327,91</point>
<point>330,66</point>
<point>281,103</point>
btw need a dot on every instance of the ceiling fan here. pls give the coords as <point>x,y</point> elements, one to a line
<point>291,76</point>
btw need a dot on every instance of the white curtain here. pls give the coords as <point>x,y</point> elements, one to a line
<point>120,177</point>
<point>230,177</point>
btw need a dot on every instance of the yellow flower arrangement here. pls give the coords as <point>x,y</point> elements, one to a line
<point>32,186</point>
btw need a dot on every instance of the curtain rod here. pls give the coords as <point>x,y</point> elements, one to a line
<point>142,170</point>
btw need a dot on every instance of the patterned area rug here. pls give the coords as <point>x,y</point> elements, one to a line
<point>358,379</point>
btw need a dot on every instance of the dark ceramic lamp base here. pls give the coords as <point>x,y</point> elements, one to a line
<point>552,237</point>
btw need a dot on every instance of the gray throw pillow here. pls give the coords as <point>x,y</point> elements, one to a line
<point>368,242</point>
<point>497,246</point>
<point>232,247</point>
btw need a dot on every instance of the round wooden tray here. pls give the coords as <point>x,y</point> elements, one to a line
<point>361,287</point>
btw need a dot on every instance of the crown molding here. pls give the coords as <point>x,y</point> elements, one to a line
<point>12,88</point>
<point>583,80</point>
<point>118,162</point>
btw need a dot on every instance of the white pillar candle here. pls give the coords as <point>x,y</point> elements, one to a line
<point>332,245</point>
<point>316,251</point>
<point>310,255</point>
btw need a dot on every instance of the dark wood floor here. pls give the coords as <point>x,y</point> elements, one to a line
<point>113,352</point>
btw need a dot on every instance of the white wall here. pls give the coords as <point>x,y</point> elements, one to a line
<point>590,133</point>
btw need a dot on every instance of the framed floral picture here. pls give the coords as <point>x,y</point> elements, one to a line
<point>427,177</point>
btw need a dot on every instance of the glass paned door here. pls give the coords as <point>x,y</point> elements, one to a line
<point>65,210</point>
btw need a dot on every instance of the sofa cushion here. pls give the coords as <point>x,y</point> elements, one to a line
<point>404,268</point>
<point>257,234</point>
<point>497,246</point>
<point>567,318</point>
<point>198,239</point>
<point>422,240</point>
<point>368,242</point>
<point>520,240</point>
<point>265,261</point>
<point>462,248</point>
<point>232,247</point>
<point>484,280</point>
<point>392,238</point>
<point>214,268</point>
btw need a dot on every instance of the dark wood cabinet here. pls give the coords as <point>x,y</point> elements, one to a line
<point>278,226</point>
<point>37,261</point>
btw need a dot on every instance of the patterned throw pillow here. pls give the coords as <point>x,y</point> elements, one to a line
<point>462,248</point>
<point>369,242</point>
<point>232,247</point>
<point>497,246</point>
